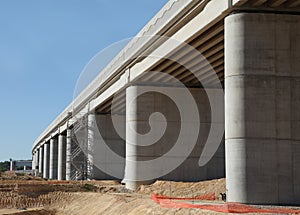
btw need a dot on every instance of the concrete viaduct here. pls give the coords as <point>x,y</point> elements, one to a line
<point>253,47</point>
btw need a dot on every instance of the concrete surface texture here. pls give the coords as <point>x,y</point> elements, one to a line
<point>139,120</point>
<point>262,103</point>
<point>109,148</point>
<point>46,157</point>
<point>61,168</point>
<point>53,159</point>
<point>41,160</point>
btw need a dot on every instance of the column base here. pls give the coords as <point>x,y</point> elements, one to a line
<point>134,185</point>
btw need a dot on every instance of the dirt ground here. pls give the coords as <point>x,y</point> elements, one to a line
<point>24,195</point>
<point>116,200</point>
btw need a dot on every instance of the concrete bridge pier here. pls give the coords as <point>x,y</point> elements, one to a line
<point>36,162</point>
<point>138,110</point>
<point>157,114</point>
<point>33,162</point>
<point>61,166</point>
<point>262,103</point>
<point>53,159</point>
<point>68,154</point>
<point>46,158</point>
<point>41,160</point>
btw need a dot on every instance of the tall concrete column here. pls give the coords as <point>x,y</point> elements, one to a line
<point>37,162</point>
<point>68,155</point>
<point>61,157</point>
<point>46,160</point>
<point>53,159</point>
<point>33,162</point>
<point>172,140</point>
<point>41,160</point>
<point>262,103</point>
<point>36,159</point>
<point>11,168</point>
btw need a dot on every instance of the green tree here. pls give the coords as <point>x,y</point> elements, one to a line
<point>4,166</point>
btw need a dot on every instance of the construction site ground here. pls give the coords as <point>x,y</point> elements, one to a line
<point>27,195</point>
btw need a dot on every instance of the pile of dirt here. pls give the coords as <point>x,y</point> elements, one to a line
<point>17,176</point>
<point>41,193</point>
<point>107,204</point>
<point>15,200</point>
<point>96,197</point>
<point>28,212</point>
<point>185,189</point>
<point>21,196</point>
<point>115,199</point>
<point>34,188</point>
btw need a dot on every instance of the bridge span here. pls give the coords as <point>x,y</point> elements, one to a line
<point>245,81</point>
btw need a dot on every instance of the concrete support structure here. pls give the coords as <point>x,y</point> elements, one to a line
<point>68,155</point>
<point>11,166</point>
<point>61,169</point>
<point>25,165</point>
<point>36,162</point>
<point>138,118</point>
<point>262,103</point>
<point>53,159</point>
<point>33,162</point>
<point>41,160</point>
<point>46,160</point>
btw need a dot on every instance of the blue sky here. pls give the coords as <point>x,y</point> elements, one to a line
<point>44,45</point>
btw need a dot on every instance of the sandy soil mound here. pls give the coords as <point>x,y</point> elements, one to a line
<point>17,176</point>
<point>185,189</point>
<point>109,204</point>
<point>40,197</point>
<point>28,212</point>
<point>114,199</point>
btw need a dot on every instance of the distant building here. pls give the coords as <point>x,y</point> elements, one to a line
<point>23,166</point>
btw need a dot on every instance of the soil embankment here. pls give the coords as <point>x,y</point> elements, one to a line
<point>24,195</point>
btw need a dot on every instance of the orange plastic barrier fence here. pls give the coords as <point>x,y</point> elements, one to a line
<point>169,202</point>
<point>209,196</point>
